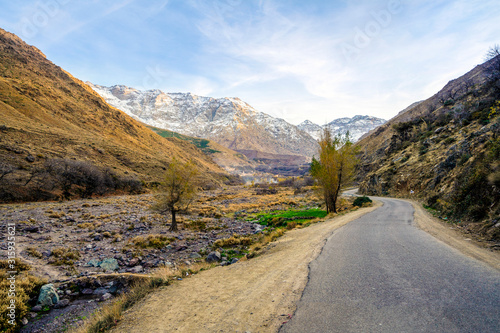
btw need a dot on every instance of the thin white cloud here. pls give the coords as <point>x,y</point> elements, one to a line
<point>412,57</point>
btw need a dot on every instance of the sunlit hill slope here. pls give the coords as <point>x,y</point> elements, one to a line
<point>46,113</point>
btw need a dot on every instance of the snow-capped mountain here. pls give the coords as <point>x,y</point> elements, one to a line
<point>228,121</point>
<point>357,126</point>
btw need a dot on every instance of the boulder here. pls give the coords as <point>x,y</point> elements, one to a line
<point>213,257</point>
<point>93,263</point>
<point>48,295</point>
<point>109,264</point>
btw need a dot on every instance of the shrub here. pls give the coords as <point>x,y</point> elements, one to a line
<point>154,241</point>
<point>33,252</point>
<point>235,240</point>
<point>64,256</point>
<point>360,201</point>
<point>196,225</point>
<point>27,286</point>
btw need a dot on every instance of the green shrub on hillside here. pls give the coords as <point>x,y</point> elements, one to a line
<point>359,201</point>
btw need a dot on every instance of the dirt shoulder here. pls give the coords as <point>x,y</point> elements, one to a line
<point>256,295</point>
<point>451,236</point>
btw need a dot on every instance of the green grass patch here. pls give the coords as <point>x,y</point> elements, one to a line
<point>202,144</point>
<point>281,218</point>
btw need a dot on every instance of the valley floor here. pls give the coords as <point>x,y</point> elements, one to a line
<point>255,295</point>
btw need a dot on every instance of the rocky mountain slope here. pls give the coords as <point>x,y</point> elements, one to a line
<point>357,126</point>
<point>445,151</point>
<point>48,114</point>
<point>230,160</point>
<point>228,121</point>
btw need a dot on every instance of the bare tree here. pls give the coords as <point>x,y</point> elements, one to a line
<point>180,188</point>
<point>492,64</point>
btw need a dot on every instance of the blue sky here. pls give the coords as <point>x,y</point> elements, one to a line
<point>297,60</point>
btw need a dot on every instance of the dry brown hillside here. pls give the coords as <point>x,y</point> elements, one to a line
<point>46,113</point>
<point>445,151</point>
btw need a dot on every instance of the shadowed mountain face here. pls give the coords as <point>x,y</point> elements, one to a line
<point>228,121</point>
<point>445,150</point>
<point>46,113</point>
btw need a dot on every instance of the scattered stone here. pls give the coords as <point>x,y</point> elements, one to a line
<point>100,291</point>
<point>180,248</point>
<point>133,262</point>
<point>48,295</point>
<point>24,321</point>
<point>31,228</point>
<point>106,296</point>
<point>213,257</point>
<point>194,255</point>
<point>234,261</point>
<point>30,158</point>
<point>137,269</point>
<point>37,308</point>
<point>61,304</point>
<point>87,291</point>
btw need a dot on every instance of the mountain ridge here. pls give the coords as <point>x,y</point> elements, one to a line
<point>229,121</point>
<point>357,126</point>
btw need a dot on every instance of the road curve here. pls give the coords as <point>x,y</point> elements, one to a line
<point>382,274</point>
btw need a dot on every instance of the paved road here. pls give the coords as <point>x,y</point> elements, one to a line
<point>382,274</point>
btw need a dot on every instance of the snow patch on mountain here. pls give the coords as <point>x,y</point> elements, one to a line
<point>357,126</point>
<point>228,121</point>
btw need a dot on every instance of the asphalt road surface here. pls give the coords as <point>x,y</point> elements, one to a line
<point>381,274</point>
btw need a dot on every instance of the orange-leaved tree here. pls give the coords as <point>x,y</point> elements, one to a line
<point>334,168</point>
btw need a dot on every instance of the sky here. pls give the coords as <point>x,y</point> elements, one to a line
<point>294,59</point>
